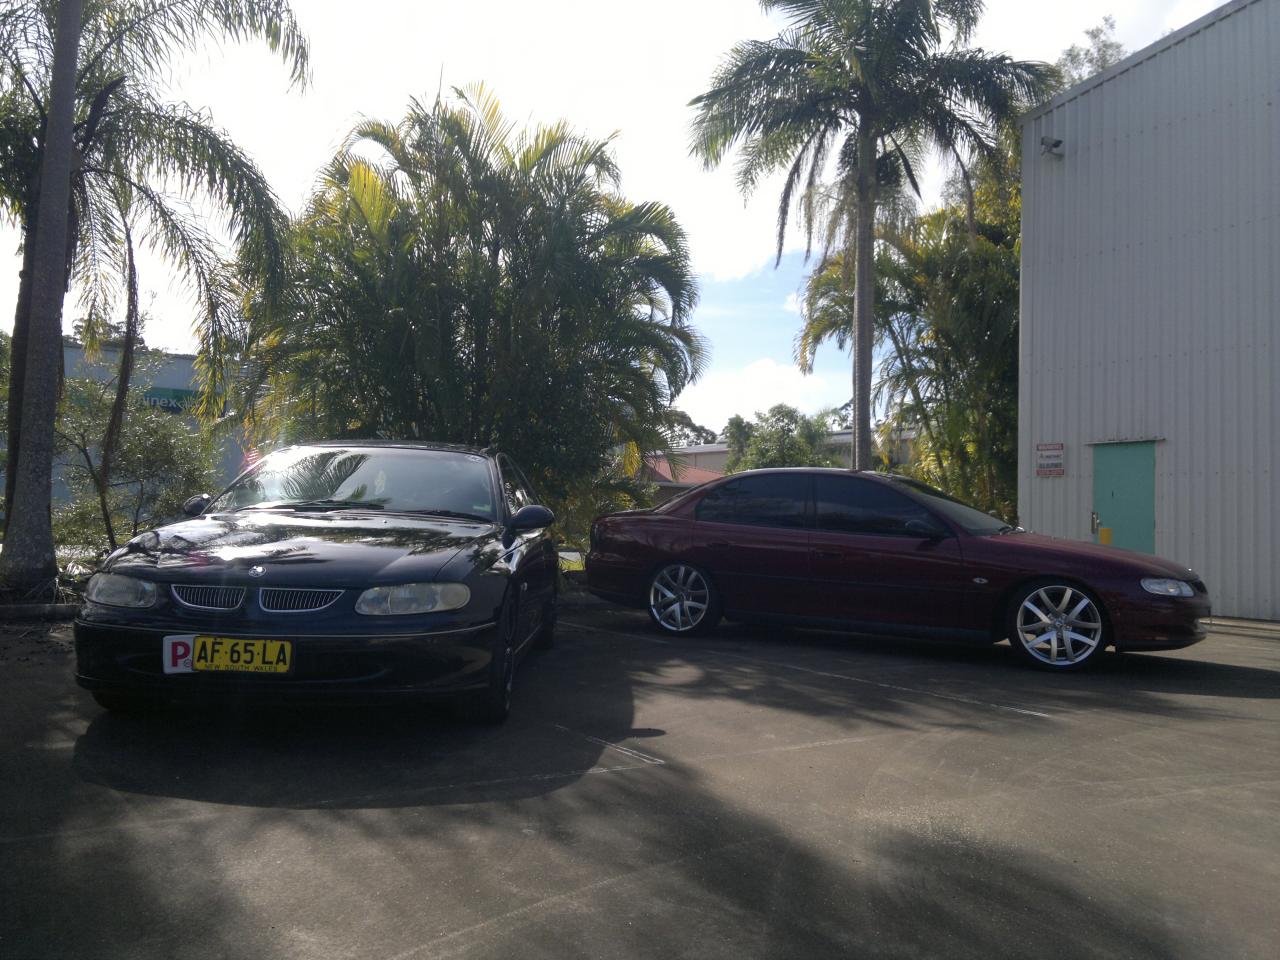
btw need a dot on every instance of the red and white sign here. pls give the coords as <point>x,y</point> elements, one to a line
<point>177,653</point>
<point>1051,460</point>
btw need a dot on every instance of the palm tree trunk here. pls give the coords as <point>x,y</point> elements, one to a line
<point>864,300</point>
<point>18,354</point>
<point>27,563</point>
<point>111,437</point>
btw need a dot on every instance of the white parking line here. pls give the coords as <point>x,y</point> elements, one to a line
<point>818,673</point>
<point>633,754</point>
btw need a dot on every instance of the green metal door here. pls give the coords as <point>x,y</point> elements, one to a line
<point>1124,494</point>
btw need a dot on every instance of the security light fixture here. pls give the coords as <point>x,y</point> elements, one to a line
<point>1051,146</point>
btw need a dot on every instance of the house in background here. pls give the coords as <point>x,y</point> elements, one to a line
<point>1149,395</point>
<point>670,480</point>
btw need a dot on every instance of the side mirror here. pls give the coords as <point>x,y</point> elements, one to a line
<point>195,506</point>
<point>532,517</point>
<point>927,529</point>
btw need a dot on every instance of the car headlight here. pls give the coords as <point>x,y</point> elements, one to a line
<point>117,591</point>
<point>413,598</point>
<point>1164,587</point>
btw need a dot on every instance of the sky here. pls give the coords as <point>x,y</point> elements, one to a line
<point>607,67</point>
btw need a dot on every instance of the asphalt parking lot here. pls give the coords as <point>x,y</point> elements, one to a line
<point>758,793</point>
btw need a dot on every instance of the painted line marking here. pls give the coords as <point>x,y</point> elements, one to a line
<point>816,673</point>
<point>627,751</point>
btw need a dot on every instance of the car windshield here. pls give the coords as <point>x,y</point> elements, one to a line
<point>395,479</point>
<point>962,515</point>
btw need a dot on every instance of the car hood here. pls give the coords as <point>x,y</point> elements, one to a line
<point>1078,555</point>
<point>338,547</point>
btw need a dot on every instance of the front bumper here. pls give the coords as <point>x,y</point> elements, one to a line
<point>1163,624</point>
<point>128,659</point>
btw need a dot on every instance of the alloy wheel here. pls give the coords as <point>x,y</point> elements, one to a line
<point>1059,625</point>
<point>679,598</point>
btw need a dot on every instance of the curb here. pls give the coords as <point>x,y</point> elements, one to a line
<point>1258,629</point>
<point>38,611</point>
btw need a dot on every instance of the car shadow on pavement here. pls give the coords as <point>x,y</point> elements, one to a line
<point>325,756</point>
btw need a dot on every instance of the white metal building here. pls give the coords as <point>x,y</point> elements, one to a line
<point>1150,356</point>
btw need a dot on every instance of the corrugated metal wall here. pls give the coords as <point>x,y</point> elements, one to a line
<point>1150,267</point>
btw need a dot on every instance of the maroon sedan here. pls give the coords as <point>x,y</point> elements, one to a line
<point>882,554</point>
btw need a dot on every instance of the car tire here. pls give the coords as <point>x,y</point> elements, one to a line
<point>683,600</point>
<point>120,703</point>
<point>492,705</point>
<point>1056,625</point>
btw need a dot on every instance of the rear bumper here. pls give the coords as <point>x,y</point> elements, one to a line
<point>615,581</point>
<point>445,663</point>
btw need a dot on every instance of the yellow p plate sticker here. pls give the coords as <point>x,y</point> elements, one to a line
<point>196,652</point>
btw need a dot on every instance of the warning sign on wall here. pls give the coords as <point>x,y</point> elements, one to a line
<point>1050,460</point>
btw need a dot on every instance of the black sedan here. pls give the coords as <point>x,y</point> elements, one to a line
<point>331,570</point>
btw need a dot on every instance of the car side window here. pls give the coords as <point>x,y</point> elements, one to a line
<point>522,482</point>
<point>850,505</point>
<point>516,493</point>
<point>771,500</point>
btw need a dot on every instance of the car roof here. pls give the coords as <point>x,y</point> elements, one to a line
<point>405,444</point>
<point>834,471</point>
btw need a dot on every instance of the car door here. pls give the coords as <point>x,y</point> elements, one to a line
<point>533,555</point>
<point>750,535</point>
<point>879,558</point>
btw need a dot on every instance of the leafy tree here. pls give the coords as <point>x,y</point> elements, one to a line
<point>683,432</point>
<point>160,462</point>
<point>876,84</point>
<point>130,149</point>
<point>1100,50</point>
<point>779,437</point>
<point>946,326</point>
<point>457,280</point>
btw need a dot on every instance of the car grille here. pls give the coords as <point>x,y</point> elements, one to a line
<point>294,600</point>
<point>209,598</point>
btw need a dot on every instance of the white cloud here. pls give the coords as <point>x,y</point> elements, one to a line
<point>757,387</point>
<point>792,303</point>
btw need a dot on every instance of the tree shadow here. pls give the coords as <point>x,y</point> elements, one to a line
<point>387,833</point>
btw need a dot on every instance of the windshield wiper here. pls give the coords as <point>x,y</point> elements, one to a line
<point>451,514</point>
<point>326,504</point>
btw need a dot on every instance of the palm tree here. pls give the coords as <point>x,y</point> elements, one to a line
<point>875,84</point>
<point>129,148</point>
<point>29,561</point>
<point>459,280</point>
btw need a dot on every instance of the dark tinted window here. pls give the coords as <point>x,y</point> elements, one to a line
<point>514,486</point>
<point>848,505</point>
<point>770,500</point>
<point>971,519</point>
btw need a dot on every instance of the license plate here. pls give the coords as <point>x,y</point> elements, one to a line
<point>195,653</point>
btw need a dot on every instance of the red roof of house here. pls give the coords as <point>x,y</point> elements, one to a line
<point>659,470</point>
